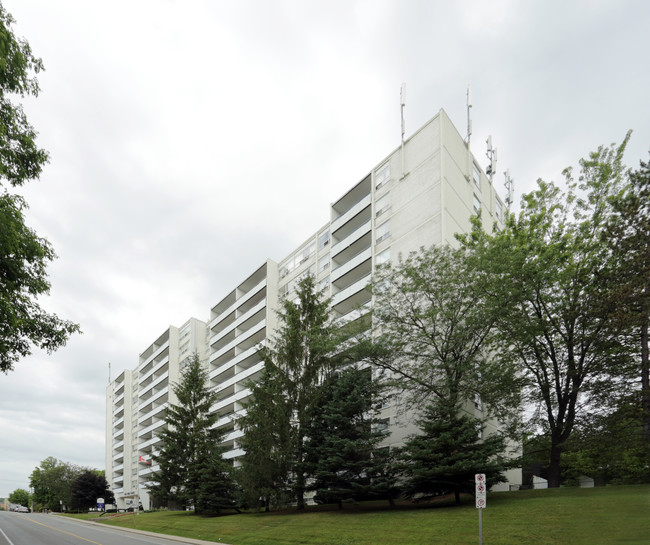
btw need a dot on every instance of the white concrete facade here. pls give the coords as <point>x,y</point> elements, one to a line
<point>136,403</point>
<point>422,194</point>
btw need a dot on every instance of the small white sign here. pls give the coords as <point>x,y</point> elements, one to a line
<point>481,490</point>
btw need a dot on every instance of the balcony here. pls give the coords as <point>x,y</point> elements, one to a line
<point>238,322</point>
<point>151,428</point>
<point>234,453</point>
<point>351,213</point>
<point>241,377</point>
<point>357,260</point>
<point>237,396</point>
<point>222,314</point>
<point>359,285</point>
<point>239,339</point>
<point>348,241</point>
<point>156,411</point>
<point>234,360</point>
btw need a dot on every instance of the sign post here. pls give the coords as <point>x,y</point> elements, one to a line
<point>481,494</point>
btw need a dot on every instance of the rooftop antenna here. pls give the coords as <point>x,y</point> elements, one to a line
<point>402,101</point>
<point>109,372</point>
<point>492,156</point>
<point>469,106</point>
<point>510,189</point>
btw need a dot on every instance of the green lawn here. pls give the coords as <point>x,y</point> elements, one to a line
<point>571,516</point>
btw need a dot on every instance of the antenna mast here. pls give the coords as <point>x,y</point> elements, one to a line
<point>510,188</point>
<point>469,120</point>
<point>492,156</point>
<point>402,101</point>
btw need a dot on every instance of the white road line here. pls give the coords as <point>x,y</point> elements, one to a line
<point>6,537</point>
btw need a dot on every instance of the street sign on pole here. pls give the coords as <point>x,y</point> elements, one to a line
<point>481,490</point>
<point>481,498</point>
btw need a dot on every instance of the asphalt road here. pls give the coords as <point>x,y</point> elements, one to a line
<point>39,529</point>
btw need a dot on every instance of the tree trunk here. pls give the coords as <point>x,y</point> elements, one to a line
<point>300,490</point>
<point>554,464</point>
<point>457,496</point>
<point>645,380</point>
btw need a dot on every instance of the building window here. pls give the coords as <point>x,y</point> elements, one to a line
<point>477,204</point>
<point>298,258</point>
<point>383,425</point>
<point>323,263</point>
<point>498,209</point>
<point>382,175</point>
<point>382,205</point>
<point>324,284</point>
<point>476,176</point>
<point>382,232</point>
<point>323,240</point>
<point>382,257</point>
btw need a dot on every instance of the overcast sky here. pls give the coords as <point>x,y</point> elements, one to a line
<point>190,140</point>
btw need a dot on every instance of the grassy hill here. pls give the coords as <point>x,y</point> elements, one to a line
<point>571,516</point>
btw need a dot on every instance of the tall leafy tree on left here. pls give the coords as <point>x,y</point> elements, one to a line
<point>23,254</point>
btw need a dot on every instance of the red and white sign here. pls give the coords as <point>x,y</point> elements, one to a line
<point>481,490</point>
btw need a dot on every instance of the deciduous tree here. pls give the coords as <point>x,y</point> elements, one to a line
<point>550,266</point>
<point>23,254</point>
<point>20,496</point>
<point>52,483</point>
<point>430,332</point>
<point>87,487</point>
<point>628,234</point>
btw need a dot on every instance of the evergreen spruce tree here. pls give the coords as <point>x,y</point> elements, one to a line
<point>342,449</point>
<point>446,456</point>
<point>264,472</point>
<point>301,353</point>
<point>192,470</point>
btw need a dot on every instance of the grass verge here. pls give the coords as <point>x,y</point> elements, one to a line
<point>566,516</point>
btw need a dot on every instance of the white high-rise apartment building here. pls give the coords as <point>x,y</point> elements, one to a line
<point>420,195</point>
<point>135,407</point>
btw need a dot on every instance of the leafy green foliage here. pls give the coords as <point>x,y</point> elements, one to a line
<point>20,496</point>
<point>430,332</point>
<point>23,255</point>
<point>609,447</point>
<point>87,487</point>
<point>52,483</point>
<point>628,235</point>
<point>551,267</point>
<point>448,454</point>
<point>192,470</point>
<point>342,449</point>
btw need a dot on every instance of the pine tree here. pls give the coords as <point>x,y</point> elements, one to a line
<point>192,471</point>
<point>446,456</point>
<point>266,423</point>
<point>342,449</point>
<point>302,352</point>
